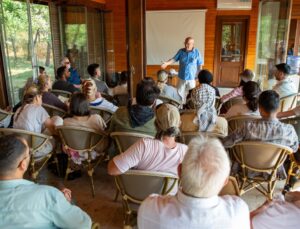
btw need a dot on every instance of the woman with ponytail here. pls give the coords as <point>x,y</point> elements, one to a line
<point>251,93</point>
<point>31,116</point>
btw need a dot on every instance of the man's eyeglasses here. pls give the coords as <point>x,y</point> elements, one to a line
<point>67,62</point>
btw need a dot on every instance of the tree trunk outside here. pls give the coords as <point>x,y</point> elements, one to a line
<point>47,62</point>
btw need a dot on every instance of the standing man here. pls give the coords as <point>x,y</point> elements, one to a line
<point>190,62</point>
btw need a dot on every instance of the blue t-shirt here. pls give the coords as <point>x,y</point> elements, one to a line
<point>188,63</point>
<point>74,77</point>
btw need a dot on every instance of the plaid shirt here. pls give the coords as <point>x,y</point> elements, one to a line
<point>272,131</point>
<point>204,99</point>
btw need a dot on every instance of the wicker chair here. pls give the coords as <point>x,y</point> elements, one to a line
<point>288,102</point>
<point>126,139</point>
<point>231,188</point>
<point>82,140</point>
<point>263,159</point>
<point>3,115</point>
<point>52,110</point>
<point>169,100</point>
<point>236,100</point>
<point>104,113</point>
<point>186,137</point>
<point>137,185</point>
<point>62,93</point>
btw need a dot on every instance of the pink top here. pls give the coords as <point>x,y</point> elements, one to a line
<point>238,91</point>
<point>151,154</point>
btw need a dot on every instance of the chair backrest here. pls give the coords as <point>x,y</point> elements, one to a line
<point>231,102</point>
<point>288,102</point>
<point>126,139</point>
<point>237,121</point>
<point>218,104</point>
<point>4,114</point>
<point>34,140</point>
<point>66,94</point>
<point>260,156</point>
<point>169,100</point>
<point>137,185</point>
<point>231,188</point>
<point>104,113</point>
<point>122,99</point>
<point>52,110</point>
<point>80,138</point>
<point>186,137</point>
<point>295,121</point>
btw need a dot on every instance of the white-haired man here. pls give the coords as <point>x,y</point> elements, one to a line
<point>74,77</point>
<point>204,171</point>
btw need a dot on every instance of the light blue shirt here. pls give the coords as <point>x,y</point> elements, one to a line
<point>188,63</point>
<point>24,204</point>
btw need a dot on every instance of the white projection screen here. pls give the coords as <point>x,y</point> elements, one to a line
<point>166,31</point>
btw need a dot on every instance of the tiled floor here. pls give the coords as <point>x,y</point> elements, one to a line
<point>104,210</point>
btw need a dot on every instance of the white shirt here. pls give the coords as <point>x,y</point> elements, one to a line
<point>285,87</point>
<point>31,118</point>
<point>182,211</point>
<point>103,103</point>
<point>240,109</point>
<point>279,215</point>
<point>151,154</point>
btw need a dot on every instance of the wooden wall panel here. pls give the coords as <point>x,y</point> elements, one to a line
<point>296,9</point>
<point>118,7</point>
<point>119,28</point>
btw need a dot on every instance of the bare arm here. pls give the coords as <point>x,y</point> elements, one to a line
<point>167,63</point>
<point>286,114</point>
<point>112,169</point>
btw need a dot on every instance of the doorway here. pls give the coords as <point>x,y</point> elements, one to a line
<point>230,52</point>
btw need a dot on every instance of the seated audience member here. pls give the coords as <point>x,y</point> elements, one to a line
<point>25,204</point>
<point>246,76</point>
<point>205,77</point>
<point>96,100</point>
<point>80,116</point>
<point>121,88</point>
<point>74,77</point>
<point>268,129</point>
<point>139,117</point>
<point>62,74</point>
<point>251,93</point>
<point>162,154</point>
<point>284,86</point>
<point>95,73</point>
<point>42,70</point>
<point>278,214</point>
<point>45,84</point>
<point>31,116</point>
<point>203,173</point>
<point>165,89</point>
<point>206,118</point>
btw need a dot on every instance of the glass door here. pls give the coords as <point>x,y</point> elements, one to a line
<point>274,16</point>
<point>230,51</point>
<point>25,36</point>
